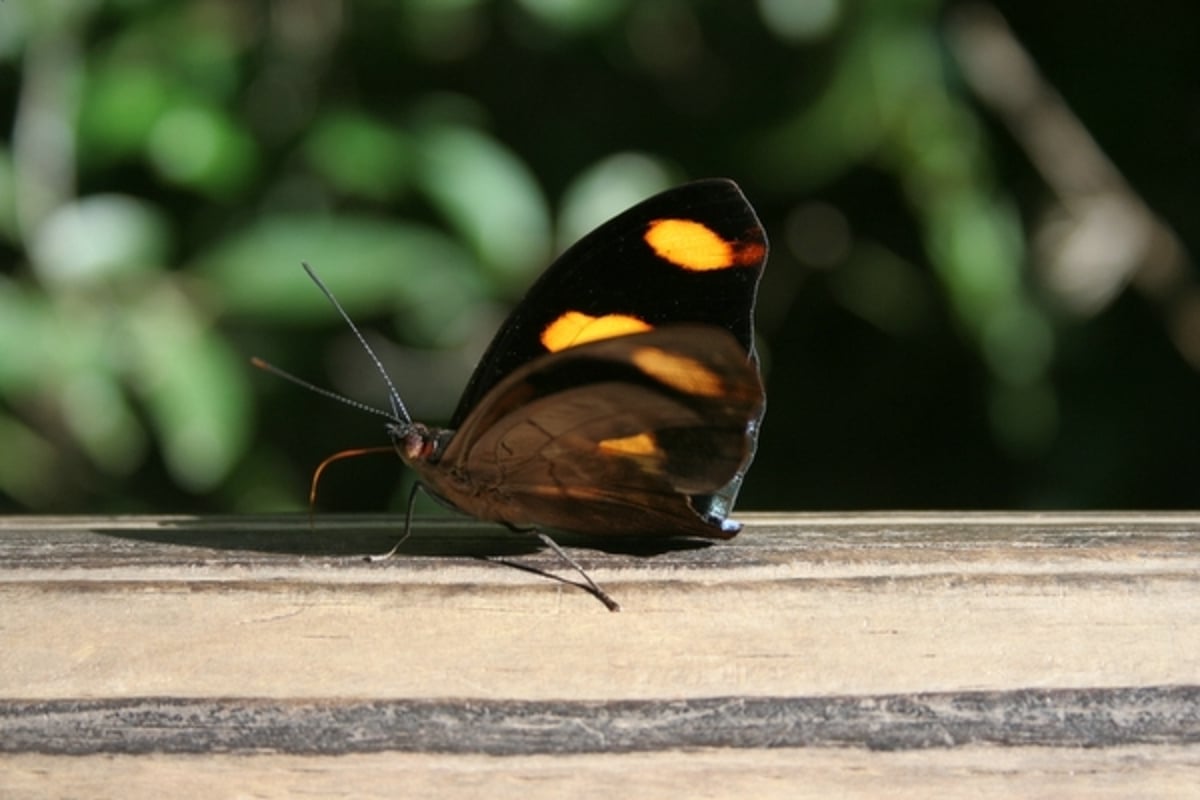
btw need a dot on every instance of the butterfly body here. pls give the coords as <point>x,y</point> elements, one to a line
<point>622,396</point>
<point>613,437</point>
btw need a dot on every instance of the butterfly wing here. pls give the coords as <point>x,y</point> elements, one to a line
<point>692,254</point>
<point>626,435</point>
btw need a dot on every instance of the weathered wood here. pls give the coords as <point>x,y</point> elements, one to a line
<point>981,773</point>
<point>1096,717</point>
<point>921,633</point>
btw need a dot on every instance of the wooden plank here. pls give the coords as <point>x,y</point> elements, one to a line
<point>981,773</point>
<point>977,773</point>
<point>795,606</point>
<point>921,633</point>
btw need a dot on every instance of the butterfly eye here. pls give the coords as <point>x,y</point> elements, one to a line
<point>414,441</point>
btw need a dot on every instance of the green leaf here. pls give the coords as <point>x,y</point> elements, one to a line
<point>27,469</point>
<point>27,329</point>
<point>8,195</point>
<point>359,156</point>
<point>489,196</point>
<point>195,388</point>
<point>372,266</point>
<point>575,16</point>
<point>121,104</point>
<point>97,239</point>
<point>606,188</point>
<point>202,147</point>
<point>101,419</point>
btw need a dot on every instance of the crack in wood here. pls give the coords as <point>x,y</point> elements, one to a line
<point>1087,717</point>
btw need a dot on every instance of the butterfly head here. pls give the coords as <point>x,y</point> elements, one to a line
<point>417,443</point>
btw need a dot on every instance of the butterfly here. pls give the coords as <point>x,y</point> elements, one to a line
<point>622,395</point>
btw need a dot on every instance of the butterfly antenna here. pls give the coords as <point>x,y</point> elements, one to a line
<point>399,411</point>
<point>267,366</point>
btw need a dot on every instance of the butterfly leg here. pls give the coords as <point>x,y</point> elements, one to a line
<point>408,515</point>
<point>592,587</point>
<point>599,593</point>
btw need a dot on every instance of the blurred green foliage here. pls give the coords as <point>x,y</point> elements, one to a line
<point>169,164</point>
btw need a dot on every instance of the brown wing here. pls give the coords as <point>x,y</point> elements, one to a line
<point>613,437</point>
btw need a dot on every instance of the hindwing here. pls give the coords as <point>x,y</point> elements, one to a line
<point>618,436</point>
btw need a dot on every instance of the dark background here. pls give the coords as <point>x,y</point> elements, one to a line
<point>972,302</point>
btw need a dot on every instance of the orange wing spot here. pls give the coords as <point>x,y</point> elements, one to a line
<point>749,253</point>
<point>641,445</point>
<point>679,372</point>
<point>640,448</point>
<point>575,328</point>
<point>690,245</point>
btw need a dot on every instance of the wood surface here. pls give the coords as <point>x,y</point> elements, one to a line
<point>1038,655</point>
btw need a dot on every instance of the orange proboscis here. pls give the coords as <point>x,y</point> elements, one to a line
<point>338,456</point>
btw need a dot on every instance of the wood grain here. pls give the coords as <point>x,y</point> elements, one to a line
<point>152,638</point>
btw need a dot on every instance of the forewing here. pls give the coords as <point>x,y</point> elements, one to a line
<point>691,255</point>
